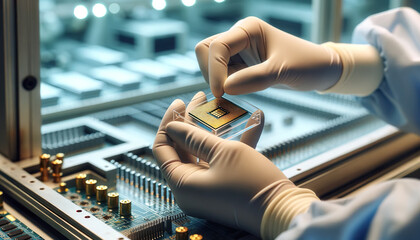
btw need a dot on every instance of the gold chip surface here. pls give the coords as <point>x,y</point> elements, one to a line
<point>217,113</point>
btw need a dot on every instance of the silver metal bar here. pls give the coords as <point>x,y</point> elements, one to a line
<point>8,98</point>
<point>28,78</point>
<point>327,20</point>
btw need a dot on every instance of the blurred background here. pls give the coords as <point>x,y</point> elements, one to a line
<point>123,62</point>
<point>115,51</point>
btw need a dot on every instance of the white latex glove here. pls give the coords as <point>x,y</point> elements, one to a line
<point>233,184</point>
<point>254,55</point>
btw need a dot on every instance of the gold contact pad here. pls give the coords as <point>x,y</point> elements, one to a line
<point>217,113</point>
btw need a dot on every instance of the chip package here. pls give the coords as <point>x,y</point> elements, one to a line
<point>217,113</point>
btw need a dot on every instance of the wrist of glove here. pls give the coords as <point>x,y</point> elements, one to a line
<point>283,208</point>
<point>362,69</point>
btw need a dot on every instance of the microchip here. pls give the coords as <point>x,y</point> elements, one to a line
<point>217,113</point>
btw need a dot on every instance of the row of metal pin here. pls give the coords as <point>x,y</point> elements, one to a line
<point>62,135</point>
<point>144,182</point>
<point>127,172</point>
<point>142,165</point>
<point>74,144</point>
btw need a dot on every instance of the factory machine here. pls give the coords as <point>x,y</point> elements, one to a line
<point>85,89</point>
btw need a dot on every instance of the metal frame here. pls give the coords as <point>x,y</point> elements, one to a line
<point>8,109</point>
<point>327,20</point>
<point>20,132</point>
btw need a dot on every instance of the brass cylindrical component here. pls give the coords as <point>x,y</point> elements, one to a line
<point>113,199</point>
<point>1,199</point>
<point>44,166</point>
<point>81,182</point>
<point>56,166</point>
<point>101,193</point>
<point>44,176</point>
<point>63,188</point>
<point>181,233</point>
<point>44,160</point>
<point>91,187</point>
<point>196,237</point>
<point>59,156</point>
<point>125,207</point>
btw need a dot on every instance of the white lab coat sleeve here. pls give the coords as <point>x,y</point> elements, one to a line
<point>386,211</point>
<point>396,36</point>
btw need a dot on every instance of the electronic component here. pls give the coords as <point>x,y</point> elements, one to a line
<point>165,193</point>
<point>159,190</point>
<point>91,187</point>
<point>217,113</point>
<point>118,77</point>
<point>148,185</point>
<point>227,117</point>
<point>113,200</point>
<point>125,207</point>
<point>81,182</point>
<point>44,166</point>
<point>170,198</point>
<point>63,188</point>
<point>151,230</point>
<point>56,167</point>
<point>12,228</point>
<point>8,227</point>
<point>196,237</point>
<point>101,193</point>
<point>78,84</point>
<point>15,233</point>
<point>181,233</point>
<point>60,156</point>
<point>3,222</point>
<point>152,69</point>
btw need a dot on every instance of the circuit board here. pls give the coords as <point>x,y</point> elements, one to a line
<point>152,207</point>
<point>12,228</point>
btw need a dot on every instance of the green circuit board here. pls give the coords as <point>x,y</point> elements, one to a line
<point>151,216</point>
<point>11,228</point>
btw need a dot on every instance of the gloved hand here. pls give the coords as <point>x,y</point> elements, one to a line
<point>232,184</point>
<point>254,55</point>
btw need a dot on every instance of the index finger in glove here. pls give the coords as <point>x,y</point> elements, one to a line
<point>202,53</point>
<point>245,34</point>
